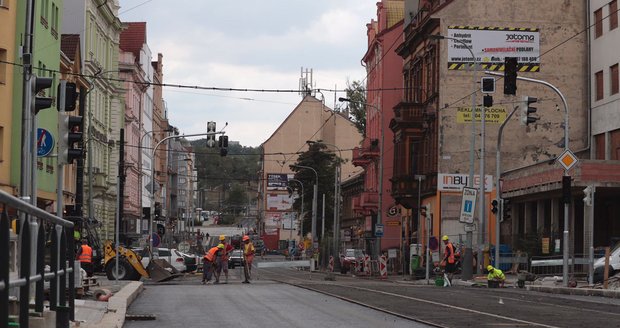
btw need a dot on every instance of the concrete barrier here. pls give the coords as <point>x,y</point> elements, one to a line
<point>117,306</point>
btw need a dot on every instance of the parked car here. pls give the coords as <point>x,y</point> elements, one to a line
<point>190,261</point>
<point>348,259</point>
<point>235,259</point>
<point>173,256</point>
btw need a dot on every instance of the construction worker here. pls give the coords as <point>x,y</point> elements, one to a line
<point>224,259</point>
<point>448,258</point>
<point>218,262</point>
<point>248,255</point>
<point>85,256</point>
<point>496,276</point>
<point>208,261</point>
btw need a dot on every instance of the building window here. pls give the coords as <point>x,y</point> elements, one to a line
<point>599,141</point>
<point>598,23</point>
<point>613,77</point>
<point>2,65</point>
<point>613,15</point>
<point>614,138</point>
<point>599,85</point>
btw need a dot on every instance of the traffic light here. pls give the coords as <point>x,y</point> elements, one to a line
<point>527,109</point>
<point>566,189</point>
<point>589,193</point>
<point>68,90</point>
<point>38,86</point>
<point>223,143</point>
<point>69,133</point>
<point>510,75</point>
<point>494,206</point>
<point>488,84</point>
<point>507,209</point>
<point>211,134</point>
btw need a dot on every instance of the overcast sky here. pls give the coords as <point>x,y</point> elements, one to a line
<point>250,44</point>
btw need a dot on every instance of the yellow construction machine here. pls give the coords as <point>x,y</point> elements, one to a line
<point>130,266</point>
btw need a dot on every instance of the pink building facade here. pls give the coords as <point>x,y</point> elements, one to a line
<point>384,83</point>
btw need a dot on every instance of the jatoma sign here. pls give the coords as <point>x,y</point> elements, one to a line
<point>491,45</point>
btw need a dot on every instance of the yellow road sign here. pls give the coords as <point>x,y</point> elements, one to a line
<point>494,115</point>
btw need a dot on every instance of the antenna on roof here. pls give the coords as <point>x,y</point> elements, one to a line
<point>305,83</point>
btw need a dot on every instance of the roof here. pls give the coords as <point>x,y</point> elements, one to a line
<point>133,37</point>
<point>395,11</point>
<point>69,45</point>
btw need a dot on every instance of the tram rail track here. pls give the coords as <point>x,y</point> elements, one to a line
<point>488,310</point>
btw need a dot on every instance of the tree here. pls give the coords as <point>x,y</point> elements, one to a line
<point>324,163</point>
<point>357,93</point>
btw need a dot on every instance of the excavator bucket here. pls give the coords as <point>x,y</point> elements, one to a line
<point>160,270</point>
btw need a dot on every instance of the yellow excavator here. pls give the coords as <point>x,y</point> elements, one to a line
<point>130,266</point>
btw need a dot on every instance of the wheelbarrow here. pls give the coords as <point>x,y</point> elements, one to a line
<point>523,276</point>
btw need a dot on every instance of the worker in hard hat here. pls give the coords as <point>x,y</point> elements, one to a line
<point>223,265</point>
<point>449,260</point>
<point>208,263</point>
<point>218,262</point>
<point>248,255</point>
<point>495,276</point>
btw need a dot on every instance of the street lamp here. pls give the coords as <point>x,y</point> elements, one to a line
<point>380,211</point>
<point>467,274</point>
<point>315,195</point>
<point>337,174</point>
<point>301,217</point>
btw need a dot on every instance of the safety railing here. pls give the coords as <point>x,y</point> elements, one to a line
<point>513,262</point>
<point>34,237</point>
<point>552,265</point>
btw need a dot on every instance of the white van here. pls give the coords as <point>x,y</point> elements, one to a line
<point>614,265</point>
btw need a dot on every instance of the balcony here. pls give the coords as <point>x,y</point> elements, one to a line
<point>408,115</point>
<point>369,151</point>
<point>405,189</point>
<point>369,200</point>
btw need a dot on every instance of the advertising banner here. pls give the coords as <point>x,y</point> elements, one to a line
<point>491,45</point>
<point>277,181</point>
<point>279,202</point>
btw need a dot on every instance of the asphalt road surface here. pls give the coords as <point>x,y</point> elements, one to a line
<point>262,303</point>
<point>286,297</point>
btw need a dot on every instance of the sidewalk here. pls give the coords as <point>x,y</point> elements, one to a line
<point>110,314</point>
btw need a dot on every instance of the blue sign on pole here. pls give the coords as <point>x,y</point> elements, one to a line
<point>45,142</point>
<point>379,230</point>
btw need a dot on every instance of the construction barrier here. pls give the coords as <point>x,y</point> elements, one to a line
<point>367,265</point>
<point>358,266</point>
<point>383,267</point>
<point>331,264</point>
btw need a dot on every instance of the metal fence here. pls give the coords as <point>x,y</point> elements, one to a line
<point>40,232</point>
<point>552,265</point>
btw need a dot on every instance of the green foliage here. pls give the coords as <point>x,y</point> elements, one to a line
<point>234,174</point>
<point>325,164</point>
<point>357,93</point>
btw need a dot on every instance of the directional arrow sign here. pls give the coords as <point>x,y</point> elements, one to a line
<point>468,205</point>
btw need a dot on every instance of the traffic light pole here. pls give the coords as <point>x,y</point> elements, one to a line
<point>498,191</point>
<point>566,204</point>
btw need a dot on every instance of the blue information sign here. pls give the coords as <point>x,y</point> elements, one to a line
<point>378,230</point>
<point>45,142</point>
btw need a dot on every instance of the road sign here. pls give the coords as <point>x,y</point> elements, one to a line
<point>567,159</point>
<point>378,230</point>
<point>156,240</point>
<point>184,247</point>
<point>468,205</point>
<point>45,142</point>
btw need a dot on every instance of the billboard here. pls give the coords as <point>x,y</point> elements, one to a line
<point>279,202</point>
<point>491,45</point>
<point>277,181</point>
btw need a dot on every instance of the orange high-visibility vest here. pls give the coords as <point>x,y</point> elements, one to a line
<point>450,251</point>
<point>210,255</point>
<point>87,254</point>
